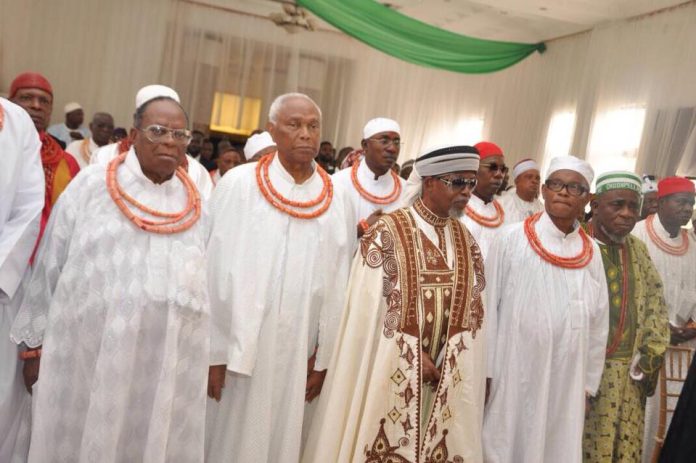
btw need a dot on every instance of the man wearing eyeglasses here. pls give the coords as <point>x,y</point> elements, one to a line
<point>34,93</point>
<point>484,215</point>
<point>116,315</point>
<point>370,183</point>
<point>196,171</point>
<point>406,380</point>
<point>546,299</point>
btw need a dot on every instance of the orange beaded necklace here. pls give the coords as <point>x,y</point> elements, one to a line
<point>2,117</point>
<point>388,199</point>
<point>575,262</point>
<point>490,222</point>
<point>288,206</point>
<point>660,243</point>
<point>173,221</point>
<point>84,150</point>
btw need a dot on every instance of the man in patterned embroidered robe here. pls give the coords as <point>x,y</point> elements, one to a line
<point>638,328</point>
<point>406,381</point>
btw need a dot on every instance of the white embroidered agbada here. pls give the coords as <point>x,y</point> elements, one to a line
<point>381,187</point>
<point>277,287</point>
<point>679,279</point>
<point>82,151</point>
<point>196,171</point>
<point>548,349</point>
<point>22,191</point>
<point>406,296</point>
<point>123,317</point>
<point>517,209</point>
<point>483,235</point>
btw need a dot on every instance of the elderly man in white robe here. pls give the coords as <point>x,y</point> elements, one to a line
<point>117,313</point>
<point>523,201</point>
<point>22,192</point>
<point>484,215</point>
<point>674,256</point>
<point>371,184</point>
<point>196,171</point>
<point>101,128</point>
<point>547,294</point>
<point>406,382</point>
<point>278,261</point>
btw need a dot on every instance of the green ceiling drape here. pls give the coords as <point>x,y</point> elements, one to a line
<point>417,42</point>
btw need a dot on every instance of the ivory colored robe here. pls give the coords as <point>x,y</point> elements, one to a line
<point>516,209</point>
<point>547,350</point>
<point>123,317</point>
<point>407,294</point>
<point>679,278</point>
<point>22,194</point>
<point>483,235</point>
<point>382,186</point>
<point>277,287</point>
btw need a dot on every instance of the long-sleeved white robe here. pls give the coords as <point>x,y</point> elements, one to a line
<point>382,186</point>
<point>679,279</point>
<point>76,150</point>
<point>123,317</point>
<point>517,209</point>
<point>22,192</point>
<point>548,349</point>
<point>483,235</point>
<point>277,287</point>
<point>196,171</point>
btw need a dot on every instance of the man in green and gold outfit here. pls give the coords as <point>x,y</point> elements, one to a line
<point>638,325</point>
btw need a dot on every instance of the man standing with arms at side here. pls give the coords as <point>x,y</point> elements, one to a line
<point>278,288</point>
<point>638,328</point>
<point>523,201</point>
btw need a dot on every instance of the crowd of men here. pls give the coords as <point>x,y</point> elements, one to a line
<point>162,304</point>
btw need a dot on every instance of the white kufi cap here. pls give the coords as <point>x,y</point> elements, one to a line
<point>150,92</point>
<point>380,125</point>
<point>571,163</point>
<point>523,166</point>
<point>256,143</point>
<point>70,107</point>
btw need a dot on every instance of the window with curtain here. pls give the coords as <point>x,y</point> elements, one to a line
<point>559,137</point>
<point>615,139</point>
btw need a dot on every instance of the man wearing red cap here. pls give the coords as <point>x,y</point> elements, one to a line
<point>674,255</point>
<point>34,93</point>
<point>484,214</point>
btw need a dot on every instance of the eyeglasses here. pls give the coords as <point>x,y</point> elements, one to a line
<point>158,133</point>
<point>386,141</point>
<point>459,184</point>
<point>493,167</point>
<point>573,189</point>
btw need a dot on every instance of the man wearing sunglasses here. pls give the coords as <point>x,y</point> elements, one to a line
<point>196,171</point>
<point>407,377</point>
<point>484,214</point>
<point>370,183</point>
<point>548,310</point>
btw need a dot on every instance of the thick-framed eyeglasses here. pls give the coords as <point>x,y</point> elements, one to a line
<point>458,184</point>
<point>386,141</point>
<point>158,133</point>
<point>493,167</point>
<point>573,189</point>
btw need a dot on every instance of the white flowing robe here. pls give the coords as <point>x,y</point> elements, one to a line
<point>22,192</point>
<point>123,317</point>
<point>517,209</point>
<point>483,235</point>
<point>549,349</point>
<point>196,171</point>
<point>75,149</point>
<point>679,279</point>
<point>277,287</point>
<point>382,186</point>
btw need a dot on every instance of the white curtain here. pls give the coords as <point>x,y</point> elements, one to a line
<point>204,47</point>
